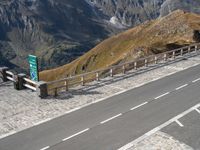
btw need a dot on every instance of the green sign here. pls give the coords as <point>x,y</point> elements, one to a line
<point>33,62</point>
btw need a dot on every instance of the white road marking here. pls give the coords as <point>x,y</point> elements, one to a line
<point>196,80</point>
<point>179,123</point>
<point>65,139</point>
<point>180,87</point>
<point>110,118</point>
<point>45,148</point>
<point>159,128</point>
<point>139,106</point>
<point>162,95</point>
<point>197,110</point>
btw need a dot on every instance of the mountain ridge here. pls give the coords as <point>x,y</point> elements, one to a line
<point>175,30</point>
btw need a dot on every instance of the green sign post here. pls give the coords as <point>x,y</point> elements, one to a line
<point>33,62</point>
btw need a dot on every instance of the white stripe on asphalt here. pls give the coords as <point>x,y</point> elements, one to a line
<point>110,118</point>
<point>45,148</point>
<point>196,80</point>
<point>65,139</point>
<point>162,95</point>
<point>129,145</point>
<point>139,106</point>
<point>180,87</point>
<point>179,123</point>
<point>197,110</point>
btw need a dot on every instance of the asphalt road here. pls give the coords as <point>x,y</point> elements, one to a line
<point>114,122</point>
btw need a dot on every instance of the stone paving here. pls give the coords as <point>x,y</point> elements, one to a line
<point>23,109</point>
<point>160,141</point>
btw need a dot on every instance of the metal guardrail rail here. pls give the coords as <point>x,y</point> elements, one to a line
<point>55,87</point>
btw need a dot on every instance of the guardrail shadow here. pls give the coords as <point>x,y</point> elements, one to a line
<point>90,89</point>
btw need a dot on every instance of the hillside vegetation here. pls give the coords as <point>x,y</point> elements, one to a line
<point>172,31</point>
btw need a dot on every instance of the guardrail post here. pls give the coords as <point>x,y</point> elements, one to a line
<point>181,52</point>
<point>156,59</point>
<point>111,72</point>
<point>19,81</point>
<point>41,89</point>
<point>97,76</point>
<point>66,85</point>
<point>135,65</point>
<point>124,69</point>
<point>195,48</point>
<point>173,55</point>
<point>3,73</point>
<point>82,81</point>
<point>146,63</point>
<point>165,57</point>
<point>189,49</point>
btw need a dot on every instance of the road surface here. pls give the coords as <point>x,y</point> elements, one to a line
<point>114,122</point>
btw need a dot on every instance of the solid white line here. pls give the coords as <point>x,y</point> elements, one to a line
<point>179,123</point>
<point>65,139</point>
<point>139,106</point>
<point>180,87</point>
<point>45,148</point>
<point>162,95</point>
<point>110,118</point>
<point>197,110</point>
<point>151,132</point>
<point>196,80</point>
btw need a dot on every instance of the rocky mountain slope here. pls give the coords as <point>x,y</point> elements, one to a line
<point>174,30</point>
<point>59,31</point>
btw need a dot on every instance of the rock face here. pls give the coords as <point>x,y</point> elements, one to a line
<point>59,31</point>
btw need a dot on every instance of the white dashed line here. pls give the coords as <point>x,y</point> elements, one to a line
<point>162,95</point>
<point>45,148</point>
<point>65,139</point>
<point>139,106</point>
<point>179,123</point>
<point>180,87</point>
<point>110,118</point>
<point>196,80</point>
<point>197,110</point>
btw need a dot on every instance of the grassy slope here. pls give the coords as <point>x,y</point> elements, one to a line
<point>156,36</point>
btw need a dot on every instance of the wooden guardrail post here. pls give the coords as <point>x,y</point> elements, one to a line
<point>165,57</point>
<point>146,62</point>
<point>135,65</point>
<point>181,52</point>
<point>41,89</point>
<point>82,81</point>
<point>124,69</point>
<point>156,59</point>
<point>66,85</point>
<point>189,49</point>
<point>19,81</point>
<point>195,48</point>
<point>111,72</point>
<point>173,55</point>
<point>3,73</point>
<point>97,76</point>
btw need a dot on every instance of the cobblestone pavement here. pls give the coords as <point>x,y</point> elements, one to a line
<point>160,141</point>
<point>23,109</point>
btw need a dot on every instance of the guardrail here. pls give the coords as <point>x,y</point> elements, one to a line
<point>20,82</point>
<point>65,84</point>
<point>44,89</point>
